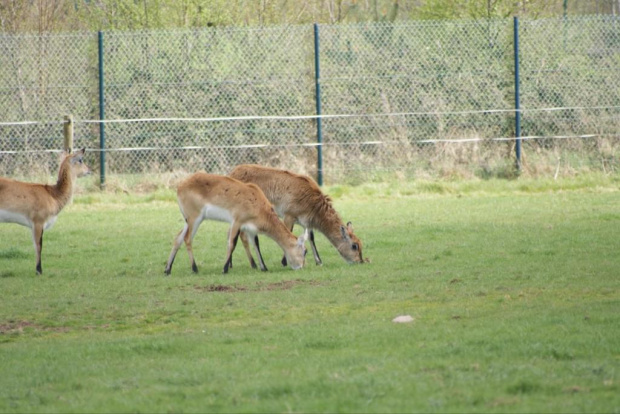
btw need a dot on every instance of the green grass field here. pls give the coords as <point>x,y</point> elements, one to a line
<point>513,287</point>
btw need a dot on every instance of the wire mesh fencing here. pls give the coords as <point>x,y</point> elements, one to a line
<point>573,74</point>
<point>414,98</point>
<point>220,73</point>
<point>433,79</point>
<point>43,79</point>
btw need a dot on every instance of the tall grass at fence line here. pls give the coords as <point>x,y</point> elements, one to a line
<point>437,162</point>
<point>482,159</point>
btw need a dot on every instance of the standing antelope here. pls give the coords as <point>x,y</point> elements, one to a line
<point>213,197</point>
<point>37,205</point>
<point>298,199</point>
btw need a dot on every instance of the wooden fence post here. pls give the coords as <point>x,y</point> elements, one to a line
<point>68,133</point>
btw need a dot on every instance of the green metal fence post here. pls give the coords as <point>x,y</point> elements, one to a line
<point>319,129</point>
<point>517,97</point>
<point>101,116</point>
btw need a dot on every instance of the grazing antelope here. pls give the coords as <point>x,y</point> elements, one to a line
<point>213,197</point>
<point>37,205</point>
<point>298,199</point>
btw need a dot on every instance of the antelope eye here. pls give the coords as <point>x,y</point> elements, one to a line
<point>355,246</point>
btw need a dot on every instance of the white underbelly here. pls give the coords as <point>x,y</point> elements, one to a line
<point>250,229</point>
<point>279,210</point>
<point>211,212</point>
<point>12,217</point>
<point>50,222</point>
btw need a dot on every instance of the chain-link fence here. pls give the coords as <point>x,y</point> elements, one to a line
<point>218,73</point>
<point>42,79</point>
<point>573,66</point>
<point>416,98</point>
<point>434,78</point>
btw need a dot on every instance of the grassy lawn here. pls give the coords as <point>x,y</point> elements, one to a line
<point>513,287</point>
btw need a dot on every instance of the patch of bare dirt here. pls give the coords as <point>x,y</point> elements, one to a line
<point>220,288</point>
<point>286,284</point>
<point>259,286</point>
<point>14,326</point>
<point>11,327</point>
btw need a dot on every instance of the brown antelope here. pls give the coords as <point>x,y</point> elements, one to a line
<point>205,196</point>
<point>298,199</point>
<point>37,205</point>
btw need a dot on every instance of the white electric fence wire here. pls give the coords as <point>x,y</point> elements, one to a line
<point>316,144</point>
<point>305,117</point>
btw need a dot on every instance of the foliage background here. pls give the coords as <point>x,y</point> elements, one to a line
<point>44,16</point>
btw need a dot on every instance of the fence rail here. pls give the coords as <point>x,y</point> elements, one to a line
<point>346,102</point>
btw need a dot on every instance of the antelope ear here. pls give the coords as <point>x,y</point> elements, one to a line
<point>350,226</point>
<point>345,235</point>
<point>76,154</point>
